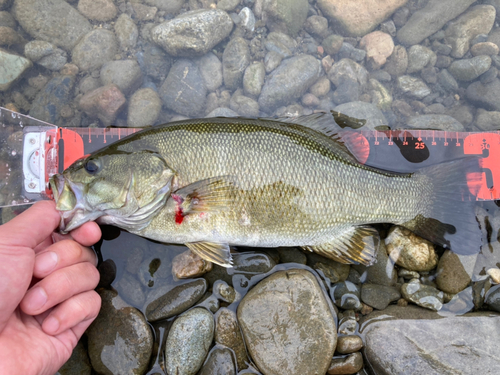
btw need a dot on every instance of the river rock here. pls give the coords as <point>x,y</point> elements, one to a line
<point>413,86</point>
<point>119,340</point>
<point>317,25</point>
<point>487,120</point>
<point>235,59</point>
<point>243,105</point>
<point>104,103</point>
<point>13,67</point>
<point>295,312</point>
<point>130,289</point>
<point>228,333</point>
<point>363,111</point>
<point>193,33</point>
<point>126,74</point>
<point>451,276</point>
<point>422,295</point>
<point>95,49</point>
<point>379,46</point>
<point>379,296</point>
<point>126,32</point>
<point>98,10</point>
<point>144,107</point>
<point>397,63</point>
<point>211,71</point>
<point>433,346</point>
<point>442,122</point>
<point>184,90</point>
<point>6,19</point>
<point>430,19</point>
<point>189,341</point>
<point>485,95</point>
<point>358,18</point>
<point>9,37</point>
<point>382,272</point>
<point>349,344</point>
<point>45,54</point>
<point>328,268</point>
<point>470,69</point>
<point>169,6</point>
<point>477,20</point>
<point>447,81</point>
<point>492,298</point>
<point>50,101</point>
<point>154,62</point>
<point>54,21</point>
<point>347,364</point>
<point>177,300</point>
<point>253,79</point>
<point>188,265</point>
<point>289,81</point>
<point>219,362</point>
<point>285,16</point>
<point>420,57</point>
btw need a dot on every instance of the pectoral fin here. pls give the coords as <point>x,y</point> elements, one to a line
<point>355,245</point>
<point>218,253</point>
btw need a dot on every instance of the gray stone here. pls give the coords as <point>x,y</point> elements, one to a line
<point>348,70</point>
<point>285,16</point>
<point>211,71</point>
<point>222,112</point>
<point>131,290</point>
<point>489,76</point>
<point>349,344</point>
<point>144,107</point>
<point>228,333</point>
<point>382,272</point>
<point>487,120</point>
<point>413,86</point>
<point>492,298</point>
<point>119,340</point>
<point>126,32</point>
<point>346,295</point>
<point>98,10</point>
<point>168,6</point>
<point>189,341</point>
<point>441,122</point>
<point>431,18</point>
<point>477,20</point>
<point>184,90</point>
<point>422,295</point>
<point>486,95</point>
<point>235,59</point>
<point>193,33</point>
<point>95,49</point>
<point>434,347</point>
<point>296,312</point>
<point>7,20</point>
<point>13,67</point>
<point>469,69</point>
<point>52,98</point>
<point>347,364</point>
<point>291,255</point>
<point>328,268</point>
<point>289,81</point>
<point>420,57</point>
<point>54,21</point>
<point>247,19</point>
<point>126,74</point>
<point>177,300</point>
<point>154,62</point>
<point>272,61</point>
<point>280,43</point>
<point>225,292</point>
<point>317,25</point>
<point>45,54</point>
<point>484,48</point>
<point>219,362</point>
<point>243,105</point>
<point>451,276</point>
<point>447,81</point>
<point>332,44</point>
<point>253,79</point>
<point>9,37</point>
<point>379,296</point>
<point>362,110</point>
<point>397,63</point>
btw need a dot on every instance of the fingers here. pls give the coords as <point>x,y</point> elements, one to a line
<point>60,255</point>
<point>88,234</point>
<point>60,286</point>
<point>75,313</point>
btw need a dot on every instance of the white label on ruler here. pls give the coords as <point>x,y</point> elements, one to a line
<point>34,162</point>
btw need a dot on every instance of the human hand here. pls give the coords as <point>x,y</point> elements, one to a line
<point>47,299</point>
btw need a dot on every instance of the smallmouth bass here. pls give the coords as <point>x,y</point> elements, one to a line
<point>212,183</point>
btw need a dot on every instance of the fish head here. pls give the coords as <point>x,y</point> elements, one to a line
<point>118,188</point>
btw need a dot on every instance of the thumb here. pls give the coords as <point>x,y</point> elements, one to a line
<point>18,238</point>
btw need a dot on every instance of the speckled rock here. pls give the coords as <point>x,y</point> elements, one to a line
<point>188,265</point>
<point>442,122</point>
<point>228,333</point>
<point>486,95</point>
<point>328,268</point>
<point>50,101</point>
<point>358,18</point>
<point>295,312</point>
<point>54,21</point>
<point>98,10</point>
<point>349,344</point>
<point>126,32</point>
<point>189,341</point>
<point>169,6</point>
<point>345,295</point>
<point>126,74</point>
<point>469,69</point>
<point>220,361</point>
<point>408,250</point>
<point>45,54</point>
<point>420,57</point>
<point>9,37</point>
<point>451,276</point>
<point>382,272</point>
<point>285,16</point>
<point>119,340</point>
<point>379,46</point>
<point>379,296</point>
<point>413,86</point>
<point>244,106</point>
<point>348,364</point>
<point>492,298</point>
<point>144,107</point>
<point>95,49</point>
<point>422,295</point>
<point>397,63</point>
<point>235,59</point>
<point>484,48</point>
<point>477,20</point>
<point>13,67</point>
<point>211,70</point>
<point>193,33</point>
<point>253,78</point>
<point>104,103</point>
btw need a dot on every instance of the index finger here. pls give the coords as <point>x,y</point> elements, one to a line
<point>31,227</point>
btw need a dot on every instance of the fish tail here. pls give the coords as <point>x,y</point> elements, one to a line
<point>448,205</point>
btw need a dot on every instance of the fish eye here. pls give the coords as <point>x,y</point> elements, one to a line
<point>92,166</point>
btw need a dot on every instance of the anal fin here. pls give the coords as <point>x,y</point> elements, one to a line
<point>218,253</point>
<point>355,245</point>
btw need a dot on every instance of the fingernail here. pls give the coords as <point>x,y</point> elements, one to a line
<point>51,324</point>
<point>46,262</point>
<point>36,299</point>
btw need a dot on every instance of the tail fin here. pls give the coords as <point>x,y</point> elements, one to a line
<point>449,218</point>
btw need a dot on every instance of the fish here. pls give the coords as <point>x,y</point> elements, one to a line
<point>219,182</point>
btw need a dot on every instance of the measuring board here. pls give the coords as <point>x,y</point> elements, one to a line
<point>46,149</point>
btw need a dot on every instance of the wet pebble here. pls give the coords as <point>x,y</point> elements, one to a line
<point>451,276</point>
<point>413,86</point>
<point>154,62</point>
<point>144,108</point>
<point>98,10</point>
<point>291,255</point>
<point>469,69</point>
<point>423,295</point>
<point>435,121</point>
<point>225,292</point>
<point>447,81</point>
<point>13,67</point>
<point>243,105</point>
<point>362,110</point>
<point>283,15</point>
<point>489,76</point>
<point>9,37</point>
<point>332,44</point>
<point>142,12</point>
<point>328,268</point>
<point>486,95</point>
<point>492,298</point>
<point>378,46</point>
<point>484,48</point>
<point>397,63</point>
<point>189,341</point>
<point>346,295</point>
<point>347,364</point>
<point>107,273</point>
<point>45,54</point>
<point>211,70</point>
<point>126,32</point>
<point>131,290</point>
<point>95,49</point>
<point>420,57</point>
<point>126,74</point>
<point>253,78</point>
<point>219,362</point>
<point>235,59</point>
<point>188,265</point>
<point>317,25</point>
<point>247,19</point>
<point>272,60</point>
<point>228,333</point>
<point>379,296</point>
<point>494,273</point>
<point>104,103</point>
<point>49,101</point>
<point>6,19</point>
<point>176,300</point>
<point>349,344</point>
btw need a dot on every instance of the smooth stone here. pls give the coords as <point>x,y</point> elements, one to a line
<point>6,19</point>
<point>235,59</point>
<point>131,290</point>
<point>397,63</point>
<point>247,18</point>
<point>413,86</point>
<point>433,346</point>
<point>379,296</point>
<point>451,277</point>
<point>143,12</point>
<point>346,295</point>
<point>348,364</point>
<point>362,110</point>
<point>177,300</point>
<point>244,106</point>
<point>253,78</point>
<point>410,251</point>
<point>447,81</point>
<point>382,272</point>
<point>280,43</point>
<point>328,268</point>
<point>144,107</point>
<point>430,19</point>
<point>126,32</point>
<point>54,21</point>
<point>422,295</point>
<point>9,37</point>
<point>460,32</point>
<point>486,96</point>
<point>379,46</point>
<point>309,100</point>
<point>442,122</point>
<point>184,90</point>
<point>188,265</point>
<point>484,48</point>
<point>381,96</point>
<point>154,62</point>
<point>317,25</point>
<point>285,16</point>
<point>98,10</point>
<point>13,67</point>
<point>103,103</point>
<point>120,340</point>
<point>272,61</point>
<point>225,292</point>
<point>168,6</point>
<point>349,344</point>
<point>49,101</point>
<point>358,18</point>
<point>126,74</point>
<point>228,333</point>
<point>78,363</point>
<point>420,57</point>
<point>45,54</point>
<point>332,44</point>
<point>492,298</point>
<point>291,255</point>
<point>321,87</point>
<point>469,69</point>
<point>222,112</point>
<point>219,362</point>
<point>494,273</point>
<point>95,49</point>
<point>211,70</point>
<point>193,33</point>
<point>107,273</point>
<point>489,76</point>
<point>295,311</point>
<point>189,341</point>
<point>289,81</point>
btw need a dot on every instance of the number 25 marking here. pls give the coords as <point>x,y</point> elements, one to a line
<point>419,145</point>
